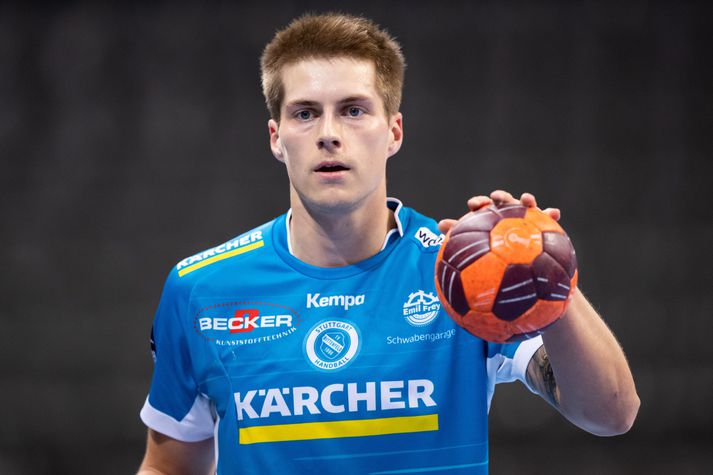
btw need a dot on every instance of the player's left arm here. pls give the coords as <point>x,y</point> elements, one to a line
<point>581,369</point>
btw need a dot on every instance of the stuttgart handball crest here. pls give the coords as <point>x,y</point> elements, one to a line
<point>506,273</point>
<point>332,344</point>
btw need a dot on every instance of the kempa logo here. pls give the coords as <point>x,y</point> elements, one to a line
<point>428,238</point>
<point>421,308</point>
<point>332,344</point>
<point>345,301</point>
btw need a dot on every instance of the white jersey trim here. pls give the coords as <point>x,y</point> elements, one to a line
<point>397,218</point>
<point>288,218</point>
<point>522,358</point>
<point>197,425</point>
<point>501,369</point>
<point>216,441</point>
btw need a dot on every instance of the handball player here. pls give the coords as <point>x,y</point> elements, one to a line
<point>316,343</point>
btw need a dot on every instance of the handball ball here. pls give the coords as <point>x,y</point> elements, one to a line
<point>505,273</point>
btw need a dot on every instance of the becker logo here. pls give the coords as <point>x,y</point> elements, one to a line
<point>344,301</point>
<point>244,320</point>
<point>245,323</point>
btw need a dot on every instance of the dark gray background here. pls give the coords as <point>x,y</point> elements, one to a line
<point>132,136</point>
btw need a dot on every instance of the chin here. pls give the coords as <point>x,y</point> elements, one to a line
<point>335,205</point>
<point>333,202</point>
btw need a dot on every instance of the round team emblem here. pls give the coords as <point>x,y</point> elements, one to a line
<point>332,344</point>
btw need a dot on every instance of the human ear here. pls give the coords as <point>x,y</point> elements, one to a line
<point>396,134</point>
<point>275,142</point>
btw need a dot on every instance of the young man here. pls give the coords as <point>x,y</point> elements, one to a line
<point>316,341</point>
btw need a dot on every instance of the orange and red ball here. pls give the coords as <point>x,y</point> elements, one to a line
<point>506,273</point>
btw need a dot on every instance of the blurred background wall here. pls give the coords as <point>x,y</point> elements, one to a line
<point>132,136</point>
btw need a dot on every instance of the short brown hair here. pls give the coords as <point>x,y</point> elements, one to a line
<point>327,36</point>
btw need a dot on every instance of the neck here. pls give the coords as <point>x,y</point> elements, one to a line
<point>339,238</point>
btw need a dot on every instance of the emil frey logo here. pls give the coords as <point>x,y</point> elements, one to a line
<point>421,308</point>
<point>332,344</point>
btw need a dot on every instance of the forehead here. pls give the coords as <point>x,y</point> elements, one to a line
<point>324,80</point>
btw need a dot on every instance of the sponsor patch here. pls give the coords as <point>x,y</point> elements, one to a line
<point>345,301</point>
<point>245,323</point>
<point>420,337</point>
<point>336,398</point>
<point>332,344</point>
<point>237,246</point>
<point>428,238</point>
<point>421,308</point>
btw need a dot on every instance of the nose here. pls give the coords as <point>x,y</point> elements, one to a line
<point>329,137</point>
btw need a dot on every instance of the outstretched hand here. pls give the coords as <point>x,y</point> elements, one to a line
<point>498,197</point>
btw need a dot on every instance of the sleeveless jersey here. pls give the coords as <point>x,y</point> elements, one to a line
<point>293,368</point>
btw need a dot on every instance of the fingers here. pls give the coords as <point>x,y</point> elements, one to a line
<point>528,199</point>
<point>445,224</point>
<point>553,213</point>
<point>502,197</point>
<point>477,202</point>
<point>499,198</point>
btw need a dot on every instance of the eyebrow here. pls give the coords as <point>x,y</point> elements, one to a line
<point>346,100</point>
<point>355,99</point>
<point>301,103</point>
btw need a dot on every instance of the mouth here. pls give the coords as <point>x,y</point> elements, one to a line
<point>331,167</point>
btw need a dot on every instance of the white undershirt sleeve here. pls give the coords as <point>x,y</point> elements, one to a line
<point>197,425</point>
<point>503,369</point>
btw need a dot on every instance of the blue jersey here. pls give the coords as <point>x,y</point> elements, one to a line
<point>294,368</point>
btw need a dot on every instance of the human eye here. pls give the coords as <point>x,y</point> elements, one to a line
<point>354,111</point>
<point>303,114</point>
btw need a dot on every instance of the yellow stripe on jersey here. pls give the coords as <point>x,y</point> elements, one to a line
<point>220,257</point>
<point>337,429</point>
